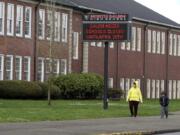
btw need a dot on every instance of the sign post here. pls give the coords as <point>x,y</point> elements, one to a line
<point>105,28</point>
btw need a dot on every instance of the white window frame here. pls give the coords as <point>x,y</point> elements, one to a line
<point>170,89</point>
<point>28,23</point>
<point>134,38</point>
<point>138,39</point>
<point>110,82</point>
<point>178,89</point>
<point>154,42</point>
<point>127,86</point>
<point>64,27</point>
<point>162,85</point>
<point>178,48</point>
<point>99,44</point>
<point>170,44</point>
<point>149,41</point>
<point>122,84</point>
<point>163,42</point>
<point>57,26</point>
<point>93,43</point>
<point>75,45</point>
<point>10,19</point>
<point>153,84</point>
<point>49,24</point>
<point>175,45</point>
<point>123,46</point>
<point>42,69</point>
<point>11,67</point>
<point>29,68</point>
<point>157,88</point>
<point>63,71</point>
<point>174,89</point>
<point>42,16</point>
<point>111,44</point>
<point>2,67</point>
<point>148,88</point>
<point>128,46</point>
<point>158,42</point>
<point>57,66</point>
<point>2,15</point>
<point>19,20</point>
<point>20,68</point>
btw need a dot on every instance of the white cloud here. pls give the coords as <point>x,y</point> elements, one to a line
<point>168,8</point>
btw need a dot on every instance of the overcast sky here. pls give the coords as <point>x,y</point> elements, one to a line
<point>168,8</point>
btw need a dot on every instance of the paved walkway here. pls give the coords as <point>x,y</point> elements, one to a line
<point>94,126</point>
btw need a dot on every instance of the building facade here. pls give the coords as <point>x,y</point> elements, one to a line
<point>38,35</point>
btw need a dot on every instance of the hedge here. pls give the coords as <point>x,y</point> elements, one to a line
<point>26,90</point>
<point>79,86</point>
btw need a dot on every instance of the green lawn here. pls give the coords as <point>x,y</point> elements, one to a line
<point>38,110</point>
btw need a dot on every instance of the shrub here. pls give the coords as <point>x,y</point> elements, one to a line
<point>79,86</point>
<point>55,91</point>
<point>19,90</point>
<point>115,94</point>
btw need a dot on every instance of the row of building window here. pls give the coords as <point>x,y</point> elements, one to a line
<point>47,66</point>
<point>12,67</point>
<point>22,20</point>
<point>101,44</point>
<point>52,25</point>
<point>174,45</point>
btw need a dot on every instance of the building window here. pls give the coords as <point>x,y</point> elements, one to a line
<point>64,27</point>
<point>40,74</point>
<point>27,68</point>
<point>1,67</point>
<point>48,68</point>
<point>154,42</point>
<point>170,89</point>
<point>28,16</point>
<point>158,42</point>
<point>57,26</point>
<point>170,44</point>
<point>153,88</point>
<point>18,68</point>
<point>9,67</point>
<point>10,19</point>
<point>163,43</point>
<point>133,38</point>
<point>174,89</point>
<point>19,21</point>
<point>162,85</point>
<point>127,87</point>
<point>157,88</point>
<point>110,82</point>
<point>111,44</point>
<point>138,39</point>
<point>148,88</point>
<point>178,48</point>
<point>41,25</point>
<point>99,44</point>
<point>178,89</point>
<point>123,46</point>
<point>149,42</point>
<point>2,18</point>
<point>63,68</point>
<point>128,46</point>
<point>93,43</point>
<point>75,44</point>
<point>121,83</point>
<point>56,67</point>
<point>49,25</point>
<point>175,45</point>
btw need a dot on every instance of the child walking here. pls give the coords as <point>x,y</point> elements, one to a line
<point>164,102</point>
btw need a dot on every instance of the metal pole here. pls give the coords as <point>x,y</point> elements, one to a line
<point>105,97</point>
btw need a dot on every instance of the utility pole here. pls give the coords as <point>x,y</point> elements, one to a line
<point>50,6</point>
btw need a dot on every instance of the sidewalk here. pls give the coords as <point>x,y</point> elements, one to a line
<point>95,126</point>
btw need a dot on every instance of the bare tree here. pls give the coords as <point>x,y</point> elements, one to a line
<point>50,7</point>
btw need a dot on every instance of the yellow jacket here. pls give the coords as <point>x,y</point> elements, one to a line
<point>134,94</point>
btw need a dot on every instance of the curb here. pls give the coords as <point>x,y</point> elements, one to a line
<point>144,132</point>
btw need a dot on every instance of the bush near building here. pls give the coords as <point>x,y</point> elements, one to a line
<point>26,90</point>
<point>79,86</point>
